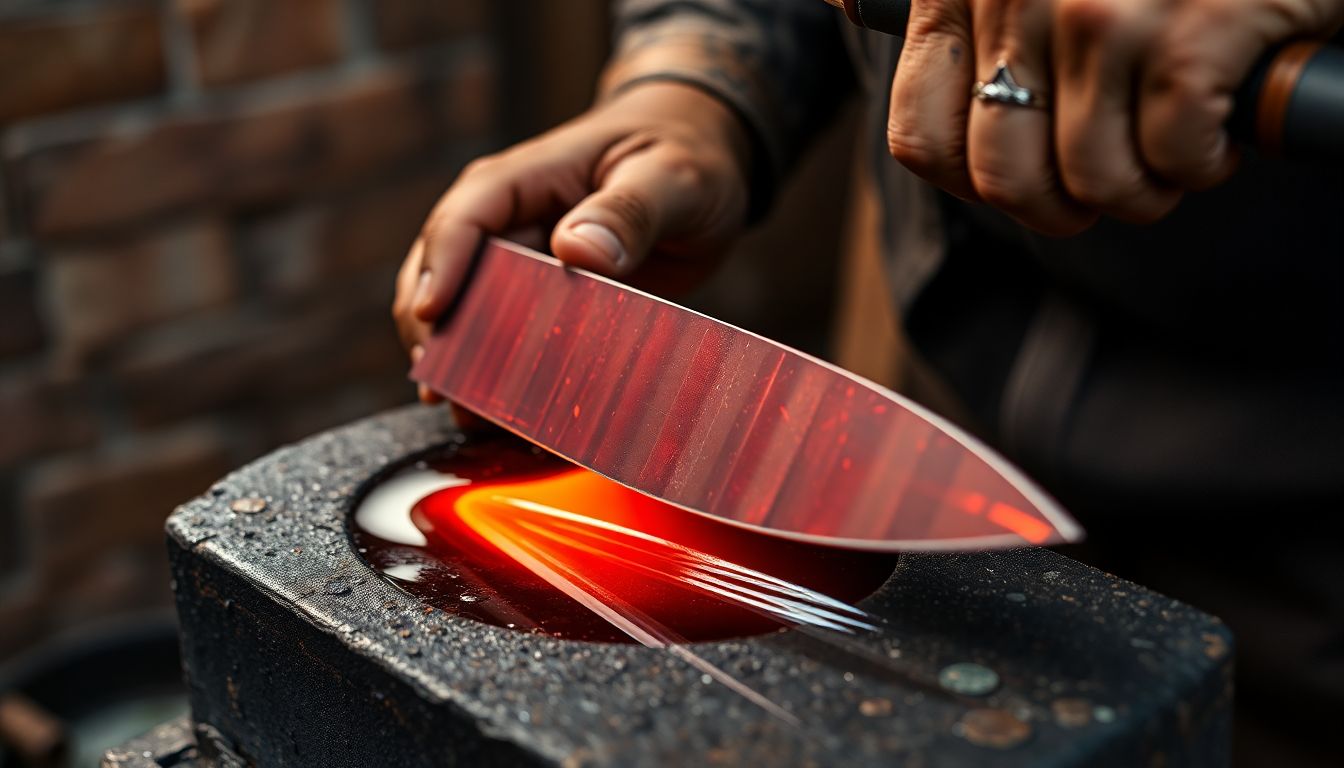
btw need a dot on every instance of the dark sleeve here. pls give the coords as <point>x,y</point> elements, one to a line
<point>780,64</point>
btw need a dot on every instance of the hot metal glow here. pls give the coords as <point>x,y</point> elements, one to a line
<point>531,522</point>
<point>625,575</point>
<point>511,536</point>
<point>612,609</point>
<point>687,577</point>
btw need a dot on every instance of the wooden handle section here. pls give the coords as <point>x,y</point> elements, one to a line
<point>1282,74</point>
<point>1299,106</point>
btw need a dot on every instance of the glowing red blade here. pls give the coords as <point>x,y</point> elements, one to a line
<point>719,420</point>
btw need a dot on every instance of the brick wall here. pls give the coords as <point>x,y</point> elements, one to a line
<point>202,206</point>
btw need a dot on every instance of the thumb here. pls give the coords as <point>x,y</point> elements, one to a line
<point>641,200</point>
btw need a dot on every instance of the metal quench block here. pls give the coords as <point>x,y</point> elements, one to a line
<point>298,654</point>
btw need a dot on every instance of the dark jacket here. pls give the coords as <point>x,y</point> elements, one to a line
<point>1180,387</point>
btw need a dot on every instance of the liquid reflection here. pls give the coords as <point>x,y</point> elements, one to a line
<point>503,525</point>
<point>511,536</point>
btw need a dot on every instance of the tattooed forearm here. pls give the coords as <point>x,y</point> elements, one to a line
<point>774,61</point>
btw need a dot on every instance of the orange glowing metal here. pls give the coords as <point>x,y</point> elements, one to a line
<point>490,500</point>
<point>608,505</point>
<point>512,536</point>
<point>1019,522</point>
<point>608,567</point>
<point>647,554</point>
<point>594,596</point>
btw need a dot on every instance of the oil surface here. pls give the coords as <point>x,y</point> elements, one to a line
<point>486,531</point>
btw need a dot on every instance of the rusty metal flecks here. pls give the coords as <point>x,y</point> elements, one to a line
<point>875,707</point>
<point>248,506</point>
<point>1071,712</point>
<point>993,728</point>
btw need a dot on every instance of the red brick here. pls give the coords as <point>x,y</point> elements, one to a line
<point>95,532</point>
<point>20,615</point>
<point>345,337</point>
<point>379,227</point>
<point>300,250</point>
<point>20,322</point>
<point>91,511</point>
<point>80,56</point>
<point>337,136</point>
<point>38,416</point>
<point>158,277</point>
<point>280,249</point>
<point>403,24</point>
<point>287,423</point>
<point>470,99</point>
<point>361,349</point>
<point>238,40</point>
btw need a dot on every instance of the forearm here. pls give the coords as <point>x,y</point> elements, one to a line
<point>779,65</point>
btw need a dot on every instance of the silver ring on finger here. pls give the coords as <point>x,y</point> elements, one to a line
<point>1002,88</point>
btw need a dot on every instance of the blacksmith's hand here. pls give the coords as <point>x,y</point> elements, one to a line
<point>650,185</point>
<point>1115,107</point>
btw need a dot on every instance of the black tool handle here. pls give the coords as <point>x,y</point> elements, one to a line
<point>889,16</point>
<point>1292,104</point>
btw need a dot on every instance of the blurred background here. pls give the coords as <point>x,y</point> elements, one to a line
<point>202,207</point>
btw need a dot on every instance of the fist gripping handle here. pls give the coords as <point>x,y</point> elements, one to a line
<point>1292,104</point>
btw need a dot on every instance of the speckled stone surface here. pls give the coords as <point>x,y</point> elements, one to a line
<point>169,744</point>
<point>298,654</point>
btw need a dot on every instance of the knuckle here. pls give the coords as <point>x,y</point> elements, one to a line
<point>1099,190</point>
<point>1190,170</point>
<point>631,209</point>
<point>1183,82</point>
<point>1180,131</point>
<point>1021,9</point>
<point>438,229</point>
<point>1089,19</point>
<point>685,169</point>
<point>1219,12</point>
<point>912,148</point>
<point>434,222</point>
<point>937,17</point>
<point>479,167</point>
<point>998,192</point>
<point>1311,15</point>
<point>1126,193</point>
<point>1001,187</point>
<point>1093,182</point>
<point>1093,191</point>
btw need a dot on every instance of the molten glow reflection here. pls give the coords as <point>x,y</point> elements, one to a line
<point>624,575</point>
<point>514,537</point>
<point>655,572</point>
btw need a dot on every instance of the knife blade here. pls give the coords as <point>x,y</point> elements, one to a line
<point>718,420</point>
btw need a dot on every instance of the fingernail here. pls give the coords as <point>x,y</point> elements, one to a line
<point>421,292</point>
<point>604,240</point>
<point>417,352</point>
